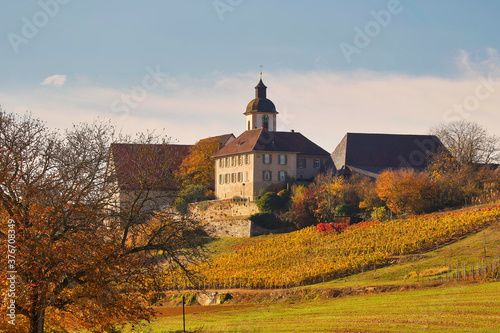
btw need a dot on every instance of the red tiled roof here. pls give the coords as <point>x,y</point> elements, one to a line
<point>147,166</point>
<point>263,140</point>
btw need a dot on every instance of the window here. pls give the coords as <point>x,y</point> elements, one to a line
<point>247,159</point>
<point>240,160</point>
<point>221,179</point>
<point>301,163</point>
<point>233,177</point>
<point>240,177</point>
<point>221,163</point>
<point>301,176</point>
<point>227,162</point>
<point>249,125</point>
<point>234,160</point>
<point>267,158</point>
<point>282,159</point>
<point>246,176</point>
<point>317,164</point>
<point>267,175</point>
<point>228,178</point>
<point>282,176</point>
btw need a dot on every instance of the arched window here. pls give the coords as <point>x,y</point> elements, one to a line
<point>265,124</point>
<point>265,121</point>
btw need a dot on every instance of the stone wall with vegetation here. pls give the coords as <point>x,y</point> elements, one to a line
<point>225,218</point>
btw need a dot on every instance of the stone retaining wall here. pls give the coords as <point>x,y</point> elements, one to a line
<point>225,218</point>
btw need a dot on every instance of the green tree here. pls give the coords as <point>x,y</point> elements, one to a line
<point>190,194</point>
<point>270,202</point>
<point>343,210</point>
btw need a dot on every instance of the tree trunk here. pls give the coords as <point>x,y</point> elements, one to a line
<point>37,321</point>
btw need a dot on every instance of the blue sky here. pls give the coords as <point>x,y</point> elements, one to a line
<point>188,67</point>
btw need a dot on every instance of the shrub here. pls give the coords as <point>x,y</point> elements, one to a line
<point>328,228</point>
<point>379,214</point>
<point>192,193</point>
<point>325,228</point>
<point>223,298</point>
<point>343,210</point>
<point>269,203</point>
<point>285,195</point>
<point>267,221</point>
<point>339,227</point>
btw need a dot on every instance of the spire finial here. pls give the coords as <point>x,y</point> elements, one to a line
<point>261,71</point>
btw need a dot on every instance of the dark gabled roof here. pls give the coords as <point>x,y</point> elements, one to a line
<point>223,139</point>
<point>146,166</point>
<point>263,140</point>
<point>377,152</point>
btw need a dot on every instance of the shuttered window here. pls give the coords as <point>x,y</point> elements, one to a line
<point>282,176</point>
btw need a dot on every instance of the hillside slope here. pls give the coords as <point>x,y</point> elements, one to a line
<point>307,256</point>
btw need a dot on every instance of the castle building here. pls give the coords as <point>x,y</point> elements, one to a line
<point>261,156</point>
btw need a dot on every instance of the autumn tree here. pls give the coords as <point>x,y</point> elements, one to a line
<point>198,167</point>
<point>330,192</point>
<point>89,246</point>
<point>407,191</point>
<point>302,207</point>
<point>468,142</point>
<point>459,183</point>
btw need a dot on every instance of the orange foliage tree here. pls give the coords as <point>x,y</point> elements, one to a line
<point>83,259</point>
<point>407,191</point>
<point>198,167</point>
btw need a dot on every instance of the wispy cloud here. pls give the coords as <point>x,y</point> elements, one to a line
<point>54,80</point>
<point>322,105</point>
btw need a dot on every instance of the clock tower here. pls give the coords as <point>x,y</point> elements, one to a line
<point>261,112</point>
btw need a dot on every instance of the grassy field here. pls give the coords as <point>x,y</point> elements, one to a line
<point>451,308</point>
